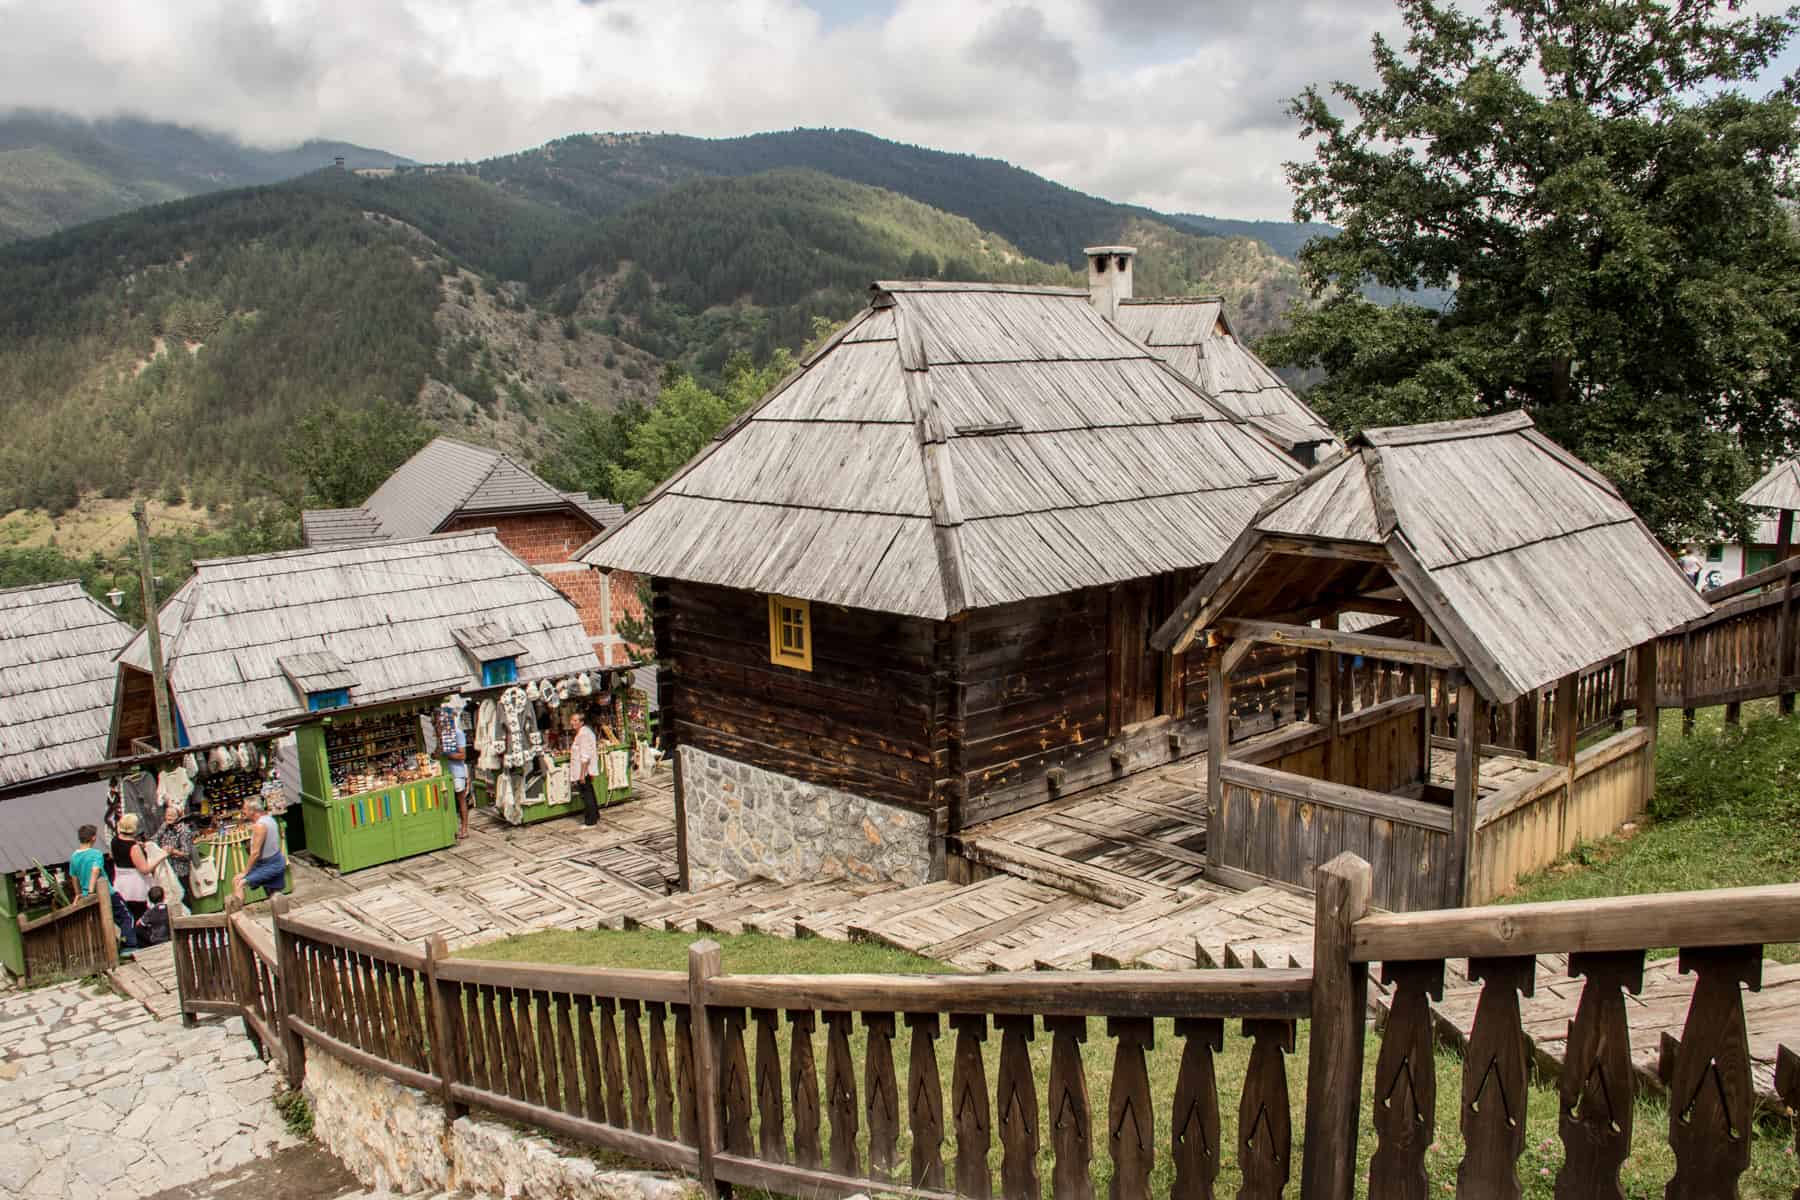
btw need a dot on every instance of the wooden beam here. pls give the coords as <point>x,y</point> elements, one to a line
<point>1749,916</point>
<point>1336,795</point>
<point>1218,738</point>
<point>1468,774</point>
<point>1279,633</point>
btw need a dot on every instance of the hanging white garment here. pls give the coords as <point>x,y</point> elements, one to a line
<point>618,769</point>
<point>163,871</point>
<point>172,788</point>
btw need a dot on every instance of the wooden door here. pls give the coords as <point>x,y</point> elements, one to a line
<point>1143,681</point>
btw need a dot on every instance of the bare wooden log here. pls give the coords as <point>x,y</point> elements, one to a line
<point>1342,890</point>
<point>1017,1106</point>
<point>771,1115</point>
<point>1597,1082</point>
<point>881,1094</point>
<point>1711,1097</point>
<point>968,1087</point>
<point>1405,1112</point>
<point>1194,1123</point>
<point>1496,1074</point>
<point>925,1102</point>
<point>1130,1119</point>
<point>1265,1118</point>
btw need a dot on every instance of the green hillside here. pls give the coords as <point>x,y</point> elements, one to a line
<point>57,171</point>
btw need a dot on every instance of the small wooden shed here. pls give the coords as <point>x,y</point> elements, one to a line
<point>913,587</point>
<point>1502,566</point>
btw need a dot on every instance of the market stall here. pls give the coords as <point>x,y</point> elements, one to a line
<point>373,788</point>
<point>211,785</point>
<point>524,734</point>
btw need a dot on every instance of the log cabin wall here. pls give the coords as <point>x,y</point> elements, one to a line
<point>1046,691</point>
<point>802,774</point>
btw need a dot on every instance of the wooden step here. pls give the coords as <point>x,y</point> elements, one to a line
<point>1060,949</point>
<point>1064,874</point>
<point>973,908</point>
<point>835,922</point>
<point>775,913</point>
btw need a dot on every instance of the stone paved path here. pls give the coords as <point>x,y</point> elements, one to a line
<point>99,1099</point>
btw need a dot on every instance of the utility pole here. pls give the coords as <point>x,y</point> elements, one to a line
<point>165,726</point>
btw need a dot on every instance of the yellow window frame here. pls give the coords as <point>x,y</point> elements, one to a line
<point>790,633</point>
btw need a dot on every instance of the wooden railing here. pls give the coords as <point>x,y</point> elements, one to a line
<point>831,1085</point>
<point>78,939</point>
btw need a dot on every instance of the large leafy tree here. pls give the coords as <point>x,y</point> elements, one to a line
<point>1612,211</point>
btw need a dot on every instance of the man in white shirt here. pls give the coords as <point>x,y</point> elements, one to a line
<point>584,768</point>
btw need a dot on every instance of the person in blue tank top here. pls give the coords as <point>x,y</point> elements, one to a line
<point>268,865</point>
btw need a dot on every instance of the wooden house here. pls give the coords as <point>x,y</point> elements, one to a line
<point>912,587</point>
<point>57,646</point>
<point>247,641</point>
<point>450,486</point>
<point>1505,568</point>
<point>1193,335</point>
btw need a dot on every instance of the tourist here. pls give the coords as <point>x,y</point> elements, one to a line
<point>131,867</point>
<point>584,768</point>
<point>455,749</point>
<point>153,926</point>
<point>268,865</point>
<point>86,866</point>
<point>177,838</point>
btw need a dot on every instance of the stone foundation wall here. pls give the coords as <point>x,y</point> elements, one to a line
<point>743,821</point>
<point>393,1138</point>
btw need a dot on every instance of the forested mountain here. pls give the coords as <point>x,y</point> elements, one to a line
<point>57,171</point>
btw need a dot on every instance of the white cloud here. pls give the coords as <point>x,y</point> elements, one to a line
<point>1171,103</point>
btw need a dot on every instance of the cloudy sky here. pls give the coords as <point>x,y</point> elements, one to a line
<point>1178,104</point>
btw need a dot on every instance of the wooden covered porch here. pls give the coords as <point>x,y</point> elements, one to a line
<point>1485,566</point>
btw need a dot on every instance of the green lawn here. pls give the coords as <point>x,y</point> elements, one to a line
<point>1772,1172</point>
<point>1726,814</point>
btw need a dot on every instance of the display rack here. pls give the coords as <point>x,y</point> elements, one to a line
<point>371,790</point>
<point>229,849</point>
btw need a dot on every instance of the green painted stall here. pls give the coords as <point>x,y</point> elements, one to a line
<point>356,812</point>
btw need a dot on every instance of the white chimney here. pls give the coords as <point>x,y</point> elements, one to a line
<point>1109,277</point>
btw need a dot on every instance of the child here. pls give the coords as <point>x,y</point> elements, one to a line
<point>153,926</point>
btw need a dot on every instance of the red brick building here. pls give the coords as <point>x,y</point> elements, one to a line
<point>450,486</point>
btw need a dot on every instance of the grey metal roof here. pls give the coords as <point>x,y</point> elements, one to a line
<point>39,828</point>
<point>604,512</point>
<point>56,679</point>
<point>955,447</point>
<point>387,610</point>
<point>446,479</point>
<point>1193,335</point>
<point>1542,568</point>
<point>1780,488</point>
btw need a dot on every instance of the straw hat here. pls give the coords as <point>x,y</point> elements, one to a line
<point>128,824</point>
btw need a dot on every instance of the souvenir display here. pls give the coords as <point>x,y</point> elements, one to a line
<point>372,787</point>
<point>522,739</point>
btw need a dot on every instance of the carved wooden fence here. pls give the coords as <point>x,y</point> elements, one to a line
<point>836,1084</point>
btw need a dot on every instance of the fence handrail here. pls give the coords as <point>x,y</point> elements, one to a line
<point>1774,573</point>
<point>1718,917</point>
<point>1178,994</point>
<point>616,983</point>
<point>27,924</point>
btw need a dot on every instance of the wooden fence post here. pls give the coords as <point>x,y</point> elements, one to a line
<point>1687,684</point>
<point>1784,641</point>
<point>243,975</point>
<point>1566,720</point>
<point>287,991</point>
<point>703,964</point>
<point>1647,714</point>
<point>1218,742</point>
<point>444,1034</point>
<point>1340,1000</point>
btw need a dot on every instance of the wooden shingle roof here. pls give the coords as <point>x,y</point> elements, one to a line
<point>1522,558</point>
<point>57,645</point>
<point>447,479</point>
<point>1780,488</point>
<point>956,447</point>
<point>1193,335</point>
<point>387,611</point>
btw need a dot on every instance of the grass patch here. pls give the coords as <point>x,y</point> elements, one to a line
<point>296,1112</point>
<point>1726,809</point>
<point>1772,1171</point>
<point>740,953</point>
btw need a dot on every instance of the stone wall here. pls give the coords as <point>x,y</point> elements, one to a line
<point>743,821</point>
<point>393,1138</point>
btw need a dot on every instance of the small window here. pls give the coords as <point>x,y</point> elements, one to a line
<point>499,670</point>
<point>790,633</point>
<point>1715,553</point>
<point>332,698</point>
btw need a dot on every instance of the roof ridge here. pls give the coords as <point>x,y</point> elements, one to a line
<point>1214,298</point>
<point>340,547</point>
<point>1444,431</point>
<point>20,588</point>
<point>952,285</point>
<point>934,460</point>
